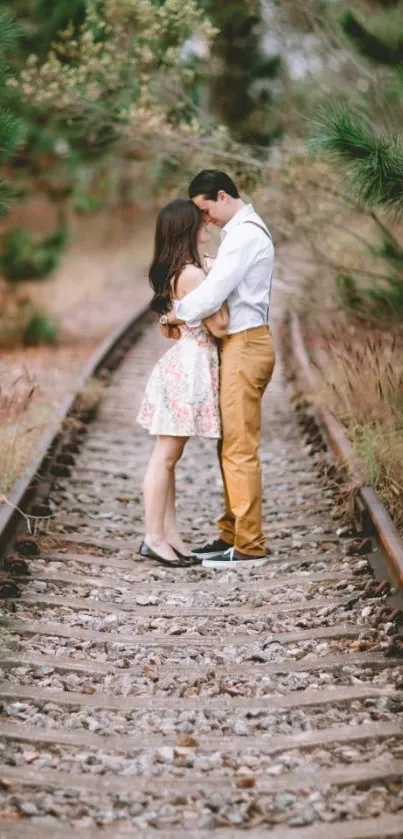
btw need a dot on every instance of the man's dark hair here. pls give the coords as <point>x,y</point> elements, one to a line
<point>209,182</point>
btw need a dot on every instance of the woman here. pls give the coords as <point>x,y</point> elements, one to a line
<point>181,398</point>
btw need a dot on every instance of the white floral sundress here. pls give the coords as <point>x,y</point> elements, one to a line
<point>181,396</point>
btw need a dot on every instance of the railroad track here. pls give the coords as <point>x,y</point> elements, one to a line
<point>142,701</point>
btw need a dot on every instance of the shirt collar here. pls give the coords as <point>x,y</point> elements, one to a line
<point>238,218</point>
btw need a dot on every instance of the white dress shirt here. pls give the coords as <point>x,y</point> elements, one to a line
<point>241,275</point>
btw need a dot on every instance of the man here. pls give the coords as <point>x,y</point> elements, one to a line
<point>241,275</point>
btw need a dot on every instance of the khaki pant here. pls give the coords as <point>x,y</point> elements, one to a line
<point>247,362</point>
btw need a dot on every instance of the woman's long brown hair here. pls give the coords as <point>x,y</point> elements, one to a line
<point>176,245</point>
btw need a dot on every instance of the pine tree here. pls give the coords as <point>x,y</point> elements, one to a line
<point>369,146</point>
<point>12,128</point>
<point>239,91</point>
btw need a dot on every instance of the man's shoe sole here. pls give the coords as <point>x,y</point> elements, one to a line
<point>233,563</point>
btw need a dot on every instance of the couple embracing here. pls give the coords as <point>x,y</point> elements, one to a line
<point>210,383</point>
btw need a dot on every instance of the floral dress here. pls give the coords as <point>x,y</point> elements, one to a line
<point>181,397</point>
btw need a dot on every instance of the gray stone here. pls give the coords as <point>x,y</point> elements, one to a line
<point>165,754</point>
<point>305,817</point>
<point>28,808</point>
<point>284,800</point>
<point>241,728</point>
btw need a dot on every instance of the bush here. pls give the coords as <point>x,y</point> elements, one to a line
<point>21,324</point>
<point>41,329</point>
<point>382,301</point>
<point>24,258</point>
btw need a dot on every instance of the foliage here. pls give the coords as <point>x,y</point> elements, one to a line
<point>374,161</point>
<point>120,69</point>
<point>21,322</point>
<point>24,258</point>
<point>49,19</point>
<point>364,140</point>
<point>382,40</point>
<point>240,93</point>
<point>379,301</point>
<point>12,128</point>
<point>94,81</point>
<point>41,329</point>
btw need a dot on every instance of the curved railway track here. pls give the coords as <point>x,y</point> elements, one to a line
<point>140,701</point>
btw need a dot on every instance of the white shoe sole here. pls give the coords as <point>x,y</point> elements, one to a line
<point>234,563</point>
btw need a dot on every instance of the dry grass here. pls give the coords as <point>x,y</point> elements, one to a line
<point>361,371</point>
<point>16,399</point>
<point>24,416</point>
<point>15,312</point>
<point>90,396</point>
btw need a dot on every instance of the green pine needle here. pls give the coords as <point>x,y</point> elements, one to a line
<point>10,31</point>
<point>12,133</point>
<point>6,197</point>
<point>374,164</point>
<point>340,134</point>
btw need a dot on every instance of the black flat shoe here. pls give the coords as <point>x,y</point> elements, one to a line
<point>148,553</point>
<point>191,558</point>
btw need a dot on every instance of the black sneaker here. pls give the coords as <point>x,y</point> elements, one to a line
<point>230,558</point>
<point>211,549</point>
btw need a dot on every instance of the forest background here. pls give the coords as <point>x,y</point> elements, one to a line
<point>107,107</point>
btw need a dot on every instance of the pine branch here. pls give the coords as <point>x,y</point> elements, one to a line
<point>387,234</point>
<point>7,195</point>
<point>12,133</point>
<point>379,177</point>
<point>339,134</point>
<point>10,32</point>
<point>374,164</point>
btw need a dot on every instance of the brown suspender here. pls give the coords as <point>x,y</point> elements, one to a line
<point>249,221</point>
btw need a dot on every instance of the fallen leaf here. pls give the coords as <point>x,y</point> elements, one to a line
<point>187,740</point>
<point>245,782</point>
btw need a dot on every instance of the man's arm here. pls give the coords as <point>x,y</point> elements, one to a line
<point>235,257</point>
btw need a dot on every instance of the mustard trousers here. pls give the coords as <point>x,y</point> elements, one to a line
<point>247,362</point>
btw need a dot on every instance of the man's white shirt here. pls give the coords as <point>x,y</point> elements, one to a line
<point>241,275</point>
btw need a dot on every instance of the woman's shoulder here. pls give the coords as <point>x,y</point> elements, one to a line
<point>192,272</point>
<point>188,279</point>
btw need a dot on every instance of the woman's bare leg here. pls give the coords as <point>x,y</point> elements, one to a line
<point>167,451</point>
<point>172,534</point>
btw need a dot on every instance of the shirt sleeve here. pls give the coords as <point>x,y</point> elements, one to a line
<point>237,253</point>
